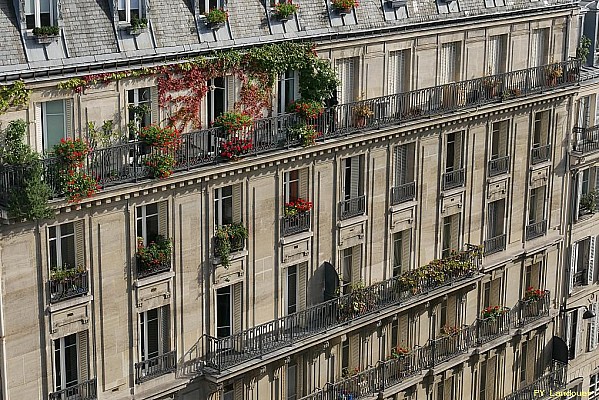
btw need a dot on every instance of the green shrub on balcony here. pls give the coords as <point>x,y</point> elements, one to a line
<point>588,202</point>
<point>359,301</point>
<point>46,31</point>
<point>228,237</point>
<point>153,256</point>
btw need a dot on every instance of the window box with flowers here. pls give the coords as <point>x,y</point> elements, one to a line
<point>449,330</point>
<point>297,207</point>
<point>305,134</point>
<point>153,258</point>
<point>66,283</point>
<point>306,108</point>
<point>493,312</point>
<point>344,7</point>
<point>229,238</point>
<point>138,26</point>
<point>234,123</point>
<point>46,34</point>
<point>360,301</point>
<point>78,185</point>
<point>533,295</point>
<point>399,352</point>
<point>235,148</point>
<point>156,136</point>
<point>216,18</point>
<point>284,10</point>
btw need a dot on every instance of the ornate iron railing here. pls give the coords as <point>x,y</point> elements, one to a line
<point>403,193</point>
<point>586,140</point>
<point>529,310</point>
<point>454,179</point>
<point>75,285</point>
<point>495,244</point>
<point>540,154</point>
<point>544,386</point>
<point>491,328</point>
<point>536,229</point>
<point>125,162</point>
<point>292,224</point>
<point>155,367</point>
<point>352,207</point>
<point>143,271</point>
<point>499,166</point>
<point>81,391</point>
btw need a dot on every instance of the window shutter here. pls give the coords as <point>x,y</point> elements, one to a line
<point>236,203</point>
<point>578,331</point>
<point>83,365</point>
<point>490,384</point>
<point>301,285</point>
<point>492,53</point>
<point>592,342</point>
<point>392,74</point>
<point>544,134</point>
<point>573,262</point>
<point>457,153</point>
<point>403,330</point>
<point>154,109</point>
<point>455,232</point>
<point>568,330</point>
<point>531,356</point>
<point>303,183</point>
<point>495,299</point>
<point>451,310</point>
<point>79,231</point>
<point>355,177</point>
<point>405,250</point>
<point>165,329</point>
<point>595,324</point>
<point>163,218</point>
<point>401,154</point>
<point>535,274</point>
<point>39,130</point>
<point>238,389</point>
<point>356,261</point>
<point>540,204</point>
<point>578,194</point>
<point>68,117</point>
<point>492,223</point>
<point>447,388</point>
<point>354,350</point>
<point>503,135</point>
<point>230,83</point>
<point>591,264</point>
<point>237,317</point>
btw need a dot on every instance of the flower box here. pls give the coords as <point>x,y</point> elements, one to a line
<point>153,258</point>
<point>46,34</point>
<point>216,18</point>
<point>284,10</point>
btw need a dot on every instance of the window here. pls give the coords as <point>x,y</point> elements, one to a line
<point>582,264</point>
<point>523,359</point>
<point>130,10</point>
<point>497,52</point>
<point>593,332</point>
<point>495,224</point>
<point>536,207</point>
<point>450,235</point>
<point>287,90</point>
<point>351,259</point>
<point>216,103</point>
<point>584,112</point>
<point>295,185</point>
<point>70,360</point>
<point>487,379</point>
<point>587,181</point>
<point>482,381</point>
<point>541,129</point>
<point>229,392</point>
<point>453,155</point>
<point>399,72</point>
<point>227,205</point>
<point>573,333</point>
<point>291,289</point>
<point>401,252</point>
<point>228,310</point>
<point>56,119</point>
<point>295,289</point>
<point>539,47</point>
<point>153,334</point>
<point>41,13</point>
<point>532,276</point>
<point>594,387</point>
<point>151,220</point>
<point>345,355</point>
<point>353,185</point>
<point>450,63</point>
<point>499,139</point>
<point>139,107</point>
<point>61,245</point>
<point>292,382</point>
<point>492,293</point>
<point>348,83</point>
<point>207,5</point>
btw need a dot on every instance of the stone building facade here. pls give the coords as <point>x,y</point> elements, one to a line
<point>455,135</point>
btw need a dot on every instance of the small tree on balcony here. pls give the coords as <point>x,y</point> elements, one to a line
<point>588,202</point>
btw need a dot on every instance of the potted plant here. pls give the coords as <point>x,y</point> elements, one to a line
<point>160,165</point>
<point>46,34</point>
<point>71,152</point>
<point>448,330</point>
<point>305,134</point>
<point>138,25</point>
<point>344,7</point>
<point>234,148</point>
<point>588,202</point>
<point>361,113</point>
<point>156,136</point>
<point>216,18</point>
<point>284,10</point>
<point>399,352</point>
<point>298,206</point>
<point>78,185</point>
<point>227,238</point>
<point>491,83</point>
<point>155,257</point>
<point>553,72</point>
<point>306,108</point>
<point>493,312</point>
<point>234,122</point>
<point>533,294</point>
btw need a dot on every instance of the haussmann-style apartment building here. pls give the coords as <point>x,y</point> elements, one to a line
<point>383,200</point>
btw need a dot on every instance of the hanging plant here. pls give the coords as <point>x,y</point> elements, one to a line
<point>307,108</point>
<point>229,237</point>
<point>72,152</point>
<point>234,122</point>
<point>160,165</point>
<point>234,148</point>
<point>165,138</point>
<point>78,186</point>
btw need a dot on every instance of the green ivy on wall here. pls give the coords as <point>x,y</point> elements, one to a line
<point>14,95</point>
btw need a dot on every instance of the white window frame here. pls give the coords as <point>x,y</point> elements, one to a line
<point>144,332</point>
<point>288,274</point>
<point>141,214</point>
<point>399,71</point>
<point>45,121</point>
<point>138,101</point>
<point>231,316</point>
<point>205,5</point>
<point>594,386</point>
<point>37,11</point>
<point>127,9</point>
<point>497,53</point>
<point>58,239</point>
<point>61,354</point>
<point>288,182</point>
<point>282,89</point>
<point>219,200</point>
<point>348,71</point>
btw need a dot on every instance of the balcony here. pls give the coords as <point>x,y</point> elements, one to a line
<point>73,284</point>
<point>491,328</point>
<point>81,391</point>
<point>258,341</point>
<point>454,179</point>
<point>495,244</point>
<point>536,229</point>
<point>402,193</point>
<point>542,387</point>
<point>529,310</point>
<point>125,162</point>
<point>293,224</point>
<point>586,140</point>
<point>352,207</point>
<point>155,367</point>
<point>498,166</point>
<point>540,154</point>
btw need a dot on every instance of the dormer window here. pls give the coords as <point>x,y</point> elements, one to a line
<point>130,10</point>
<point>40,13</point>
<point>207,5</point>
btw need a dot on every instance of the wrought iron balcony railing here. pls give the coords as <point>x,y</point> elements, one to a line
<point>495,244</point>
<point>491,328</point>
<point>125,162</point>
<point>297,223</point>
<point>454,179</point>
<point>143,270</point>
<point>155,367</point>
<point>76,284</point>
<point>544,386</point>
<point>222,353</point>
<point>529,310</point>
<point>499,166</point>
<point>81,391</point>
<point>536,229</point>
<point>586,140</point>
<point>352,207</point>
<point>403,193</point>
<point>540,154</point>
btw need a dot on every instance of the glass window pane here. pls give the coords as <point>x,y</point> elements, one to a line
<point>55,107</point>
<point>44,6</point>
<point>223,312</point>
<point>67,250</point>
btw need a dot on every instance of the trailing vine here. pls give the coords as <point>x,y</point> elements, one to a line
<point>182,86</point>
<point>13,96</point>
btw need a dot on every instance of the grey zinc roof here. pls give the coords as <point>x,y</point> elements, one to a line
<point>89,29</point>
<point>11,48</point>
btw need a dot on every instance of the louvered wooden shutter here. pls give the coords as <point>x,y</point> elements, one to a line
<point>299,382</point>
<point>503,136</point>
<point>236,212</point>
<point>231,87</point>
<point>492,223</point>
<point>392,74</point>
<point>535,275</point>
<point>83,357</point>
<point>579,327</point>
<point>494,44</point>
<point>447,388</point>
<point>303,183</point>
<point>490,384</point>
<point>531,356</point>
<point>356,262</point>
<point>355,177</point>
<point>39,130</point>
<point>451,310</point>
<point>573,262</point>
<point>237,307</point>
<point>403,331</point>
<point>540,204</point>
<point>578,195</point>
<point>163,218</point>
<point>354,351</point>
<point>165,329</point>
<point>593,327</point>
<point>79,243</point>
<point>591,263</point>
<point>68,117</point>
<point>457,153</point>
<point>449,62</point>
<point>400,165</point>
<point>455,232</point>
<point>544,134</point>
<point>154,109</point>
<point>568,330</point>
<point>405,250</point>
<point>302,284</point>
<point>495,292</point>
<point>238,389</point>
